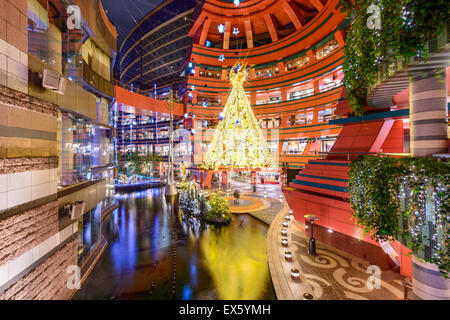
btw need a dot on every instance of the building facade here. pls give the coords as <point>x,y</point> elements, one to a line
<point>57,161</point>
<point>294,52</point>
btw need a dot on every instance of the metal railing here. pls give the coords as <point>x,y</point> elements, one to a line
<point>393,154</point>
<point>97,81</point>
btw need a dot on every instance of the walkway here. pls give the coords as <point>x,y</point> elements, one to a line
<point>264,204</point>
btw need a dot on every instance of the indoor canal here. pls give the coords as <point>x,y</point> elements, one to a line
<point>152,254</point>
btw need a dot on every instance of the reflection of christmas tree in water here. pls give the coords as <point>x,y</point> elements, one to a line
<point>238,141</point>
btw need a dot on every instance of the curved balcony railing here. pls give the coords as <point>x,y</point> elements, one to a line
<point>97,81</point>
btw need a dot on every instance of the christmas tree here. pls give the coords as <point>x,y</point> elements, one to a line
<point>238,142</point>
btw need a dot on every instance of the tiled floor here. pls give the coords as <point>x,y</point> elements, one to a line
<point>331,275</point>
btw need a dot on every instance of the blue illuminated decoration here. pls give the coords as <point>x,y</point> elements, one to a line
<point>221,57</point>
<point>237,3</point>
<point>186,293</point>
<point>221,115</point>
<point>221,28</point>
<point>236,31</point>
<point>208,43</point>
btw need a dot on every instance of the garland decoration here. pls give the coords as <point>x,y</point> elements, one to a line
<point>407,199</point>
<point>406,25</point>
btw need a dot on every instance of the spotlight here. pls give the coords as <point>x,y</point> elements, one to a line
<point>288,255</point>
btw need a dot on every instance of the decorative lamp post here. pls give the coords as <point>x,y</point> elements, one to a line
<point>312,241</point>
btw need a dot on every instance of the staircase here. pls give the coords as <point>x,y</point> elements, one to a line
<point>328,177</point>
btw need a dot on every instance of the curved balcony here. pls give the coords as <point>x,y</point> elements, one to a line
<point>315,69</point>
<point>317,29</point>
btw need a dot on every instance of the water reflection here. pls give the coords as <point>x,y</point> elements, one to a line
<point>226,262</point>
<point>236,259</point>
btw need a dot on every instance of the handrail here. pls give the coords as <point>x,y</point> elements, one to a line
<point>393,154</point>
<point>147,93</point>
<point>348,153</point>
<point>441,156</point>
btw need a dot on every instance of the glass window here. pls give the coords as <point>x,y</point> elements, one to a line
<point>84,146</point>
<point>212,74</point>
<point>326,49</point>
<point>326,115</point>
<point>267,72</point>
<point>301,93</point>
<point>89,234</point>
<point>297,63</point>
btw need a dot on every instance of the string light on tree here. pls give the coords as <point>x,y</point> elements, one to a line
<point>238,141</point>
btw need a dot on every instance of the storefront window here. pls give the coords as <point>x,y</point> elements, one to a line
<point>326,49</point>
<point>212,74</point>
<point>297,63</point>
<point>89,233</point>
<point>267,72</point>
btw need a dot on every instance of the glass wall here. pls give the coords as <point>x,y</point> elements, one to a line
<point>84,147</point>
<point>96,59</point>
<point>49,39</point>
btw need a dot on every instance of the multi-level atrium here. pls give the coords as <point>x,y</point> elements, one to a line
<point>224,150</point>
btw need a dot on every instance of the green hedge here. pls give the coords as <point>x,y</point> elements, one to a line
<point>405,199</point>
